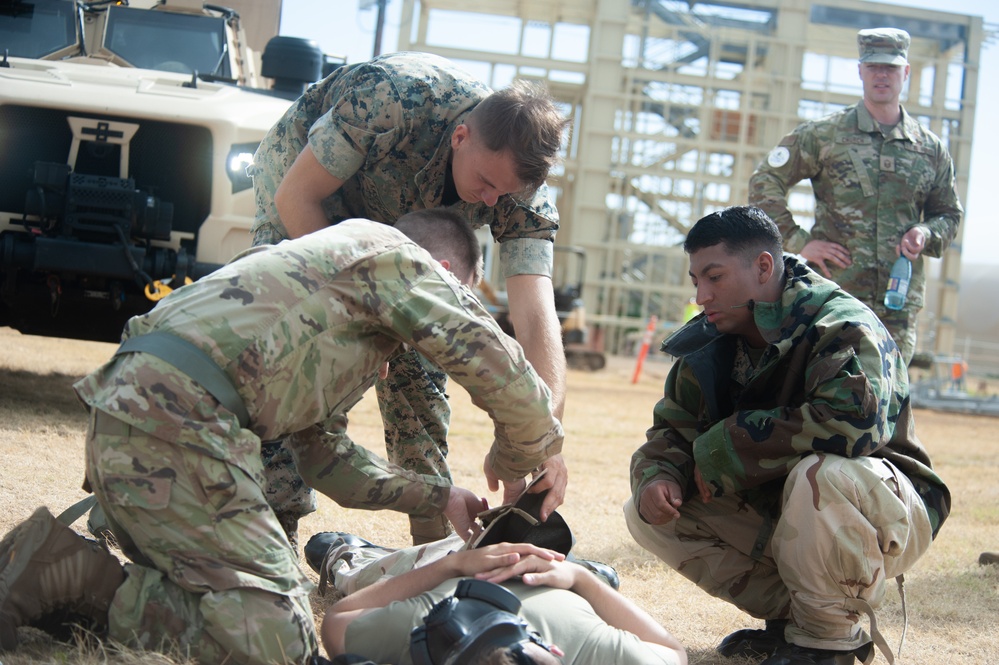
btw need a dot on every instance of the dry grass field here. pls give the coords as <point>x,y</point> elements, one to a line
<point>953,603</point>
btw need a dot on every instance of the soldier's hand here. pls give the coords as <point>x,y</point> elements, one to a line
<point>660,502</point>
<point>513,490</point>
<point>496,563</point>
<point>492,480</point>
<point>913,242</point>
<point>556,479</point>
<point>462,507</point>
<point>819,251</point>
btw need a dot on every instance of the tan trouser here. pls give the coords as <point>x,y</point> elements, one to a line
<point>847,526</point>
<point>350,568</point>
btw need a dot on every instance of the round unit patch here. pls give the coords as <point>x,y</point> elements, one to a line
<point>778,156</point>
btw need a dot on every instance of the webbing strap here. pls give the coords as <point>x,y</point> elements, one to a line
<point>862,606</point>
<point>905,614</point>
<point>193,362</point>
<point>77,510</point>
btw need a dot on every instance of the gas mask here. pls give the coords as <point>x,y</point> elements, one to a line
<point>480,615</point>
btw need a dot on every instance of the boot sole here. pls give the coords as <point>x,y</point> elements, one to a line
<point>16,551</point>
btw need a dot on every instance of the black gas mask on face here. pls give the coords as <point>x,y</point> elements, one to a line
<point>480,615</point>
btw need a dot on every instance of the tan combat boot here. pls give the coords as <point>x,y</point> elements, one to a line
<point>51,577</point>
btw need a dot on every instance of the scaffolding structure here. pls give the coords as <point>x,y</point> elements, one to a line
<point>674,103</point>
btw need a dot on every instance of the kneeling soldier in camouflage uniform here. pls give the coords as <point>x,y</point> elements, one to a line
<point>276,342</point>
<point>782,472</point>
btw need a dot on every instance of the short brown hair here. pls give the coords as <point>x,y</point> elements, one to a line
<point>446,235</point>
<point>523,119</point>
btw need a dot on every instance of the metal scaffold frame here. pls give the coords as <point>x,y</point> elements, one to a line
<point>674,104</point>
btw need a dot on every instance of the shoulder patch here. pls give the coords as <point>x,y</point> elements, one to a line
<point>778,156</point>
<point>789,139</point>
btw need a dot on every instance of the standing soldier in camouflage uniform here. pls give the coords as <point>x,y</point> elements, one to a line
<point>782,472</point>
<point>882,183</point>
<point>273,343</point>
<point>409,131</point>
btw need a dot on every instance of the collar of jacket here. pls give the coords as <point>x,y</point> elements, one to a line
<point>780,322</point>
<point>908,127</point>
<point>710,354</point>
<point>431,178</point>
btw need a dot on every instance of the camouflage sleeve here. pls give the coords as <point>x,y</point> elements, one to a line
<point>851,389</point>
<point>794,159</point>
<point>668,451</point>
<point>447,324</point>
<point>525,230</point>
<point>527,256</point>
<point>355,477</point>
<point>361,126</point>
<point>942,210</point>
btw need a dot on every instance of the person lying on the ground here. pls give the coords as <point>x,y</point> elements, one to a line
<point>348,562</point>
<point>566,614</point>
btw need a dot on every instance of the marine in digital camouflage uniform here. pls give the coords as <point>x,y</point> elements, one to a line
<point>384,131</point>
<point>300,331</point>
<point>782,472</point>
<point>877,174</point>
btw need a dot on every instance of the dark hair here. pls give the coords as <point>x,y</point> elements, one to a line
<point>496,655</point>
<point>744,230</point>
<point>446,235</point>
<point>523,119</point>
<point>503,655</point>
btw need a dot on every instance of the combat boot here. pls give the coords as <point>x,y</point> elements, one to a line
<point>754,642</point>
<point>792,654</point>
<point>51,577</point>
<point>989,559</point>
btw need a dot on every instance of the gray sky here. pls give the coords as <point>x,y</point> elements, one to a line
<point>341,28</point>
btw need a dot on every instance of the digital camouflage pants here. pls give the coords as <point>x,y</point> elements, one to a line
<point>214,574</point>
<point>415,414</point>
<point>847,527</point>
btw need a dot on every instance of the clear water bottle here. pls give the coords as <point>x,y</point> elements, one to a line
<point>898,283</point>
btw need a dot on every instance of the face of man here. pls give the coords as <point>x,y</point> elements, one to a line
<point>479,173</point>
<point>883,83</point>
<point>725,284</point>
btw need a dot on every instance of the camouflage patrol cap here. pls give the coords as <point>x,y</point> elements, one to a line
<point>883,46</point>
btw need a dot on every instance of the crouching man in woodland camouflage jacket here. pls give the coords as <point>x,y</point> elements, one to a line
<point>782,472</point>
<point>277,342</point>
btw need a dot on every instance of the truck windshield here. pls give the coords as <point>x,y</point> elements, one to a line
<point>37,28</point>
<point>167,41</point>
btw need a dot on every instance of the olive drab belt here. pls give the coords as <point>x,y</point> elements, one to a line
<point>193,362</point>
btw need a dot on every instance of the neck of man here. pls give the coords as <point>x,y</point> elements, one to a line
<point>773,291</point>
<point>888,113</point>
<point>449,195</point>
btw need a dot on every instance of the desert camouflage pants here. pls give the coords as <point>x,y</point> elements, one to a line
<point>214,574</point>
<point>847,526</point>
<point>415,414</point>
<point>350,568</point>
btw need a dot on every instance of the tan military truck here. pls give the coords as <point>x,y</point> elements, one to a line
<point>125,132</point>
